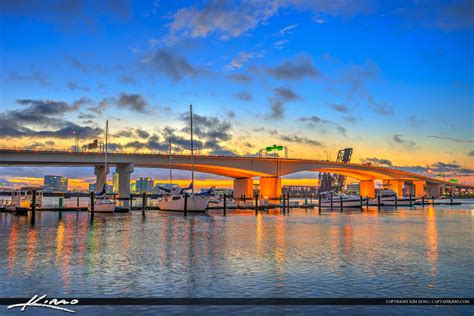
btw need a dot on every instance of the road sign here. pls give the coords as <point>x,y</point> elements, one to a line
<point>274,147</point>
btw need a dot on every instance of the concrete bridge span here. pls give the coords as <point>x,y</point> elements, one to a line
<point>242,169</point>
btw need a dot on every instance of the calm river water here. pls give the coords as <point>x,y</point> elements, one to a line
<point>418,252</point>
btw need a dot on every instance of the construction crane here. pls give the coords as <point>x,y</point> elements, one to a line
<point>335,182</point>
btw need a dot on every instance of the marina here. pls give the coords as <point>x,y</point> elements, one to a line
<point>269,255</point>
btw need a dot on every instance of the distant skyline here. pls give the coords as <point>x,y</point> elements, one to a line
<point>392,79</point>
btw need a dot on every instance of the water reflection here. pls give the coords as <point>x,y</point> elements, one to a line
<point>432,243</point>
<point>369,253</point>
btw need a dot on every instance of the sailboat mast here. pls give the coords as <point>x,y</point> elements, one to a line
<point>171,171</point>
<point>106,140</point>
<point>192,147</point>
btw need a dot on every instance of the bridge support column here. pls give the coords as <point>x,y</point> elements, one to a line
<point>270,187</point>
<point>394,185</point>
<point>434,189</point>
<point>124,170</point>
<point>243,186</point>
<point>99,172</point>
<point>419,188</point>
<point>367,188</point>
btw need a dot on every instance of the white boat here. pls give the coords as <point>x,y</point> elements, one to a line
<point>347,200</point>
<point>217,201</point>
<point>194,203</point>
<point>387,198</point>
<point>104,205</point>
<point>177,198</point>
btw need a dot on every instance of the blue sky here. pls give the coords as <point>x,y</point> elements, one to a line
<point>393,79</point>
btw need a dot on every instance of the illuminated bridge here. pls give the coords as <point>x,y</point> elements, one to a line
<point>242,169</point>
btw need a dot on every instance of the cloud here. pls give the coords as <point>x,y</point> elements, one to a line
<point>339,108</point>
<point>382,108</point>
<point>243,57</point>
<point>87,68</point>
<point>443,15</point>
<point>287,94</point>
<point>240,77</point>
<point>211,133</point>
<point>75,86</point>
<point>350,119</point>
<point>300,67</point>
<point>280,44</point>
<point>277,108</point>
<point>80,14</point>
<point>377,161</point>
<point>296,139</point>
<point>43,118</point>
<point>451,169</point>
<point>224,19</point>
<point>409,144</point>
<point>134,102</point>
<point>34,74</point>
<point>170,64</point>
<point>278,100</point>
<point>457,140</point>
<point>244,96</point>
<point>341,130</point>
<point>284,31</point>
<point>312,121</point>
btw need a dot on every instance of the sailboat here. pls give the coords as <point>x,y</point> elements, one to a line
<point>102,204</point>
<point>176,198</point>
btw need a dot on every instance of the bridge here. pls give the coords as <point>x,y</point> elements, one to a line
<point>242,169</point>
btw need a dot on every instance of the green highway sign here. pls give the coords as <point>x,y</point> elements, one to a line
<point>274,147</point>
<point>453,180</point>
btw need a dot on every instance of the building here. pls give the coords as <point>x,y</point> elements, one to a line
<point>55,183</point>
<point>353,188</point>
<point>144,185</point>
<point>108,188</point>
<point>115,182</point>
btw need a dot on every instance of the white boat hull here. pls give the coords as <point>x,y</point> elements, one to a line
<point>220,203</point>
<point>104,206</point>
<point>336,203</point>
<point>391,202</point>
<point>194,204</point>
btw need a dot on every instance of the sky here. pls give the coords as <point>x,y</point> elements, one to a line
<point>391,79</point>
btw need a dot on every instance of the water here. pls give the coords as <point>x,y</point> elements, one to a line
<point>418,252</point>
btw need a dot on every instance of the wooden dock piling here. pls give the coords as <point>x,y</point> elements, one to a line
<point>143,203</point>
<point>92,206</point>
<point>33,208</point>
<point>185,203</point>
<point>319,203</point>
<point>378,202</point>
<point>341,203</point>
<point>225,204</point>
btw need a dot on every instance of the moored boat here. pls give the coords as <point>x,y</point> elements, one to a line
<point>347,200</point>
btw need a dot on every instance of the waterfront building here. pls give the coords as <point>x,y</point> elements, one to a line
<point>108,188</point>
<point>115,182</point>
<point>353,188</point>
<point>144,185</point>
<point>55,183</point>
